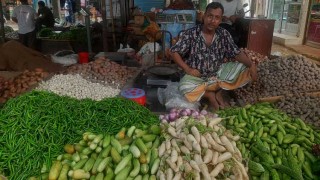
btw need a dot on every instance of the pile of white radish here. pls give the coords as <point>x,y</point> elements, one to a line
<point>199,149</point>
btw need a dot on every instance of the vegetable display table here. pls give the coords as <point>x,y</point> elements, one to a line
<point>51,46</point>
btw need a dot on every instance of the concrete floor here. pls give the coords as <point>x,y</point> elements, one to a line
<point>311,53</point>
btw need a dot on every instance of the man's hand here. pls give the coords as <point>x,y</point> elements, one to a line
<point>253,72</point>
<point>193,72</point>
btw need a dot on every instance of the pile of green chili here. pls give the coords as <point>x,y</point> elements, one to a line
<point>35,126</point>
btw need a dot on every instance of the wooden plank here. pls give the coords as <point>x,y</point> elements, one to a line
<point>278,98</point>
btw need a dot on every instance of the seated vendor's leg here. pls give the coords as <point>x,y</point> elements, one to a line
<point>210,95</point>
<point>220,99</point>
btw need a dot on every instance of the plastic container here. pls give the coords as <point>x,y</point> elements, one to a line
<point>135,94</point>
<point>83,57</point>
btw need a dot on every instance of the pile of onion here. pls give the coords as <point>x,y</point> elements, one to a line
<point>175,113</point>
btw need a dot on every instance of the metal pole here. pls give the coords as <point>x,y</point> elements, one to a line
<point>88,33</point>
<point>1,24</point>
<point>105,26</point>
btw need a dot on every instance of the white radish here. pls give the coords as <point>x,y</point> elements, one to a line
<point>216,138</point>
<point>198,159</point>
<point>223,157</point>
<point>172,131</point>
<point>232,177</point>
<point>196,147</point>
<point>236,138</point>
<point>194,165</point>
<point>216,128</point>
<point>195,133</point>
<point>162,149</point>
<point>182,135</point>
<point>168,145</point>
<point>172,165</point>
<point>203,121</point>
<point>169,172</point>
<point>179,162</point>
<point>215,156</point>
<point>242,169</point>
<point>177,176</point>
<point>187,167</point>
<point>204,142</point>
<point>237,172</point>
<point>208,156</point>
<point>214,121</point>
<point>205,171</point>
<point>227,143</point>
<point>161,175</point>
<point>188,144</point>
<point>174,155</point>
<point>191,138</point>
<point>216,170</point>
<point>185,150</point>
<point>197,176</point>
<point>214,145</point>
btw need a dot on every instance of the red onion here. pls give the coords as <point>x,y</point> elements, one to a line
<point>203,112</point>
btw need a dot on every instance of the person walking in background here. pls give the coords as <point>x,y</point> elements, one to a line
<point>45,16</point>
<point>24,15</point>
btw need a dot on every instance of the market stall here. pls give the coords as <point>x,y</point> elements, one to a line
<point>103,119</point>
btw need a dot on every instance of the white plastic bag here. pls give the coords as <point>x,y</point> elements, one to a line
<point>171,97</point>
<point>66,58</point>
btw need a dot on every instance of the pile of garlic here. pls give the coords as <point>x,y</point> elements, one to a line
<point>77,87</point>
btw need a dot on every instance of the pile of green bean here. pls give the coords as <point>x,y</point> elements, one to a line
<point>35,126</point>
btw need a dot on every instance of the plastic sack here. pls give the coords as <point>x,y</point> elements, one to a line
<point>147,60</point>
<point>130,51</point>
<point>66,58</point>
<point>171,97</point>
<point>149,48</point>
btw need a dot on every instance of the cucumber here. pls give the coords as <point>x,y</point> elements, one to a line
<point>123,174</point>
<point>155,166</point>
<point>105,152</point>
<point>95,166</point>
<point>144,168</point>
<point>123,163</point>
<point>99,176</point>
<point>130,131</point>
<point>140,144</point>
<point>80,164</point>
<point>110,174</point>
<point>116,144</point>
<point>106,141</point>
<point>64,172</point>
<point>135,151</point>
<point>89,164</point>
<point>103,164</point>
<point>115,155</point>
<point>136,168</point>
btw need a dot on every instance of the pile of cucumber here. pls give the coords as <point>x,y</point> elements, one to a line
<point>276,145</point>
<point>130,154</point>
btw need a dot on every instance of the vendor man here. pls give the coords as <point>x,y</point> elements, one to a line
<point>211,60</point>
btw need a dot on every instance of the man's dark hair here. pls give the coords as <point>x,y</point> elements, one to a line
<point>41,3</point>
<point>215,5</point>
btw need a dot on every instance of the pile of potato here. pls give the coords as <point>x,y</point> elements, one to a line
<point>281,76</point>
<point>305,107</point>
<point>20,84</point>
<point>103,71</point>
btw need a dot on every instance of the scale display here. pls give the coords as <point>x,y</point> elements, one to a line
<point>165,18</point>
<point>184,18</point>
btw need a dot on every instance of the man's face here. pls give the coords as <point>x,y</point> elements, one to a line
<point>212,18</point>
